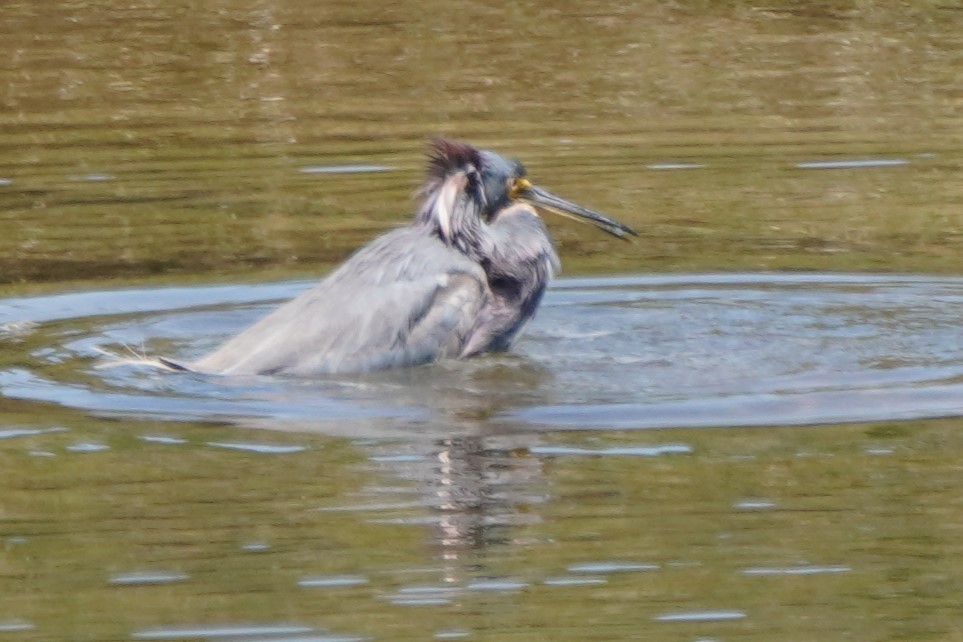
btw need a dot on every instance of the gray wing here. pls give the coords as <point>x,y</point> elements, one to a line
<point>404,300</point>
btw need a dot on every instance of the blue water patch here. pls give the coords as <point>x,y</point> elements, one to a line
<point>496,585</point>
<point>614,451</point>
<point>162,439</point>
<point>143,578</point>
<point>424,595</point>
<point>345,169</point>
<point>700,616</point>
<point>795,570</point>
<point>674,166</point>
<point>332,581</point>
<point>10,433</point>
<point>14,626</point>
<point>574,580</point>
<point>853,163</point>
<point>263,449</point>
<point>87,447</point>
<point>256,547</point>
<point>754,504</point>
<point>611,567</point>
<point>218,631</point>
<point>93,178</point>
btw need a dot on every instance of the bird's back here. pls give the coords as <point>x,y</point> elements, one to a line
<point>406,298</point>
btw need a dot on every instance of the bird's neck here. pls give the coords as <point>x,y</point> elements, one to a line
<point>449,213</point>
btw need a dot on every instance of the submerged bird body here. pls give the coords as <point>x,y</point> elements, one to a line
<point>462,279</point>
<point>387,306</point>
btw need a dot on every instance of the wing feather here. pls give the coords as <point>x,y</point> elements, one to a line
<point>405,299</point>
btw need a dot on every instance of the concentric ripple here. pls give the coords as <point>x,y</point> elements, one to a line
<point>608,353</point>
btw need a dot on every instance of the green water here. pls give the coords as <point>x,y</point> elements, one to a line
<point>231,141</point>
<point>171,138</point>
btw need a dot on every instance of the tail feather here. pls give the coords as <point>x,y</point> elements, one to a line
<point>134,358</point>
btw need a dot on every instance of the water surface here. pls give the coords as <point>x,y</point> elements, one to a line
<point>727,430</point>
<point>166,139</point>
<point>603,353</point>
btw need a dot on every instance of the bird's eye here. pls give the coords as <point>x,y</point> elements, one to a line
<point>517,186</point>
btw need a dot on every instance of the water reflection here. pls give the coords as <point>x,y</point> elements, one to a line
<point>441,533</point>
<point>254,137</point>
<point>475,490</point>
<point>480,491</point>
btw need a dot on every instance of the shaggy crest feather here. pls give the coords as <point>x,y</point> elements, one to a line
<point>447,156</point>
<point>454,197</point>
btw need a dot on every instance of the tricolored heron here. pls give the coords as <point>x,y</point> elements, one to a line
<point>462,279</point>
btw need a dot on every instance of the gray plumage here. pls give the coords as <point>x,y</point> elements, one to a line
<point>462,279</point>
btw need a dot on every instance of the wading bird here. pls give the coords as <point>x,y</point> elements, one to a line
<point>462,279</point>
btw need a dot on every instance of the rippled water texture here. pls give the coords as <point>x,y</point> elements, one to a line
<point>631,352</point>
<point>746,425</point>
<point>240,136</point>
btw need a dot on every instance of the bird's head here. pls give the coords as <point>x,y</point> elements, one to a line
<point>467,186</point>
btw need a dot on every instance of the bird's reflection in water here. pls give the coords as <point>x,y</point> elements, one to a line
<point>475,492</point>
<point>474,478</point>
<point>482,489</point>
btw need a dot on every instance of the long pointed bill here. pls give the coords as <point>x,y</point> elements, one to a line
<point>540,198</point>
